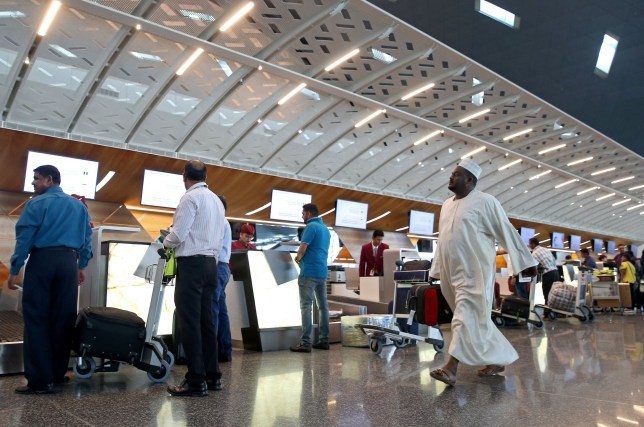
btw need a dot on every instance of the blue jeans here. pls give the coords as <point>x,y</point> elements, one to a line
<point>220,313</point>
<point>311,287</point>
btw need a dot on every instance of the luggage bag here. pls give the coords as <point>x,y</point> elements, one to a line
<point>429,304</point>
<point>516,306</point>
<point>109,333</point>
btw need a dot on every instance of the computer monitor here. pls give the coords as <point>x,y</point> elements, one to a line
<point>575,242</point>
<point>598,246</point>
<point>557,240</point>
<point>526,234</point>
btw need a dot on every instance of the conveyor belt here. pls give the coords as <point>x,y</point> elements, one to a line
<point>11,327</point>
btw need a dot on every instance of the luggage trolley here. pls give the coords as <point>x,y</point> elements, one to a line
<point>527,313</point>
<point>581,310</point>
<point>154,356</point>
<point>378,335</point>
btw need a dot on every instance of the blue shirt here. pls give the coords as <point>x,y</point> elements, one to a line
<point>224,254</point>
<point>53,219</point>
<point>317,238</point>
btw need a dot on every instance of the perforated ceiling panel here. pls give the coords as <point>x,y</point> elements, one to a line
<point>108,72</point>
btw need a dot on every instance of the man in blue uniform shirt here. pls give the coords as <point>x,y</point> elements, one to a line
<point>312,257</point>
<point>54,230</point>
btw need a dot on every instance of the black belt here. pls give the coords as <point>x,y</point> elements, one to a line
<point>54,248</point>
<point>195,256</point>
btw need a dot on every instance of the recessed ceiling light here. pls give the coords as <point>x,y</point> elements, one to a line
<point>475,115</point>
<point>576,162</point>
<point>541,174</point>
<point>547,150</point>
<point>473,152</point>
<point>622,179</point>
<point>603,171</point>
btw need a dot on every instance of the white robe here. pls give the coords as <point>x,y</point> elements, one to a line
<point>465,264</point>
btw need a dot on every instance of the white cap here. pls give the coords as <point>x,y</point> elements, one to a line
<point>471,166</point>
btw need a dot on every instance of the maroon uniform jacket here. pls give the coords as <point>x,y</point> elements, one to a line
<point>368,262</point>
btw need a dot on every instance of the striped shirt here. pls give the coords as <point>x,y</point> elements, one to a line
<point>545,258</point>
<point>199,222</point>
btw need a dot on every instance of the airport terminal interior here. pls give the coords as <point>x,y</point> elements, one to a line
<point>363,108</point>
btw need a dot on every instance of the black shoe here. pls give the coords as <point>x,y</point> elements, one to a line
<point>301,348</point>
<point>321,345</point>
<point>27,389</point>
<point>214,385</point>
<point>187,389</point>
<point>224,359</point>
<point>64,380</point>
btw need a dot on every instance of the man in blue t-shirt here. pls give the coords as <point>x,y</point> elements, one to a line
<point>312,256</point>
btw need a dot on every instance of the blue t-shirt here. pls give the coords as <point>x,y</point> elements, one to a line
<point>317,238</point>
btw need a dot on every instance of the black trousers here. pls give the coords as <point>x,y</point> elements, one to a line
<point>546,282</point>
<point>49,304</point>
<point>196,284</point>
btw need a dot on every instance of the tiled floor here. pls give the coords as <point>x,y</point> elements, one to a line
<point>568,374</point>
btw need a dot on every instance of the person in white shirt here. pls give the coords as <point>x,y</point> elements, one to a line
<point>197,234</point>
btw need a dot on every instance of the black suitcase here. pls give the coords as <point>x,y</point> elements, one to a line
<point>417,264</point>
<point>516,306</point>
<point>416,302</point>
<point>109,333</point>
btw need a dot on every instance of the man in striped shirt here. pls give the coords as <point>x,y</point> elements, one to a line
<point>197,235</point>
<point>547,267</point>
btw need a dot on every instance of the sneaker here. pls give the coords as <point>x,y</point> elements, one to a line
<point>321,346</point>
<point>301,348</point>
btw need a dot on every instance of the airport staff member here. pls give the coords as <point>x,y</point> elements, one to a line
<point>245,236</point>
<point>197,234</point>
<point>312,256</point>
<point>54,230</point>
<point>371,255</point>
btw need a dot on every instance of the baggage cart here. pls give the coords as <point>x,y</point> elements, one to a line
<point>378,335</point>
<point>152,354</point>
<point>581,310</point>
<point>503,317</point>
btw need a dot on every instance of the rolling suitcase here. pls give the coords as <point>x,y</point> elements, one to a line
<point>109,333</point>
<point>516,306</point>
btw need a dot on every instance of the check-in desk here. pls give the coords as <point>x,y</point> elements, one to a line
<point>271,298</point>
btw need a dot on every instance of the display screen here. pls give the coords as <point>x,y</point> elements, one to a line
<point>276,237</point>
<point>351,214</point>
<point>526,234</point>
<point>557,240</point>
<point>634,249</point>
<point>77,176</point>
<point>421,223</point>
<point>598,246</point>
<point>162,189</point>
<point>610,247</point>
<point>287,206</point>
<point>575,242</point>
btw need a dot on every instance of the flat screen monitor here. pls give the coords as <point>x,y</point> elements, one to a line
<point>557,240</point>
<point>575,242</point>
<point>421,223</point>
<point>598,246</point>
<point>634,249</point>
<point>77,176</point>
<point>351,214</point>
<point>276,237</point>
<point>610,247</point>
<point>287,206</point>
<point>526,234</point>
<point>162,189</point>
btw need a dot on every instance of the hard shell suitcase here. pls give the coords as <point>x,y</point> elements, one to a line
<point>426,301</point>
<point>516,306</point>
<point>109,333</point>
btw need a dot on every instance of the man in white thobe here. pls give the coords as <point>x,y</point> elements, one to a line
<point>465,265</point>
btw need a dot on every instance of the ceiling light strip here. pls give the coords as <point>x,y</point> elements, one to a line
<point>552,149</point>
<point>473,152</point>
<point>605,197</point>
<point>622,179</point>
<point>402,228</point>
<point>621,202</point>
<point>417,91</point>
<point>587,190</point>
<point>261,208</point>
<point>189,61</point>
<point>602,171</point>
<point>540,175</point>
<point>49,17</point>
<point>635,207</point>
<point>369,117</point>
<point>105,180</point>
<point>566,183</point>
<point>237,16</point>
<point>342,59</point>
<point>514,135</point>
<point>327,212</point>
<point>636,188</point>
<point>510,164</point>
<point>475,115</point>
<point>425,138</point>
<point>576,162</point>
<point>291,94</point>
<point>378,217</point>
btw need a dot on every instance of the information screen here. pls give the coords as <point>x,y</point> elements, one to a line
<point>610,247</point>
<point>527,234</point>
<point>557,240</point>
<point>77,176</point>
<point>575,242</point>
<point>162,189</point>
<point>351,214</point>
<point>421,223</point>
<point>598,246</point>
<point>287,206</point>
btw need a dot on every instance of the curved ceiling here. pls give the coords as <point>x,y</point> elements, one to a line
<point>108,72</point>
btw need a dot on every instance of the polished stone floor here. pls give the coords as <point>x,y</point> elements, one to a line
<point>568,374</point>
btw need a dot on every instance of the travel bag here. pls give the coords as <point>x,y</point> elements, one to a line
<point>417,264</point>
<point>562,297</point>
<point>109,333</point>
<point>516,306</point>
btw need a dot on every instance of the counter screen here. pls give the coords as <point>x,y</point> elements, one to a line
<point>162,189</point>
<point>77,176</point>
<point>287,206</point>
<point>421,223</point>
<point>351,214</point>
<point>575,242</point>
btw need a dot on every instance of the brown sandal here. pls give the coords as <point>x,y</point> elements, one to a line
<point>443,376</point>
<point>491,370</point>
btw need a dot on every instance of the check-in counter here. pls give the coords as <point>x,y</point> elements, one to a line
<point>271,299</point>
